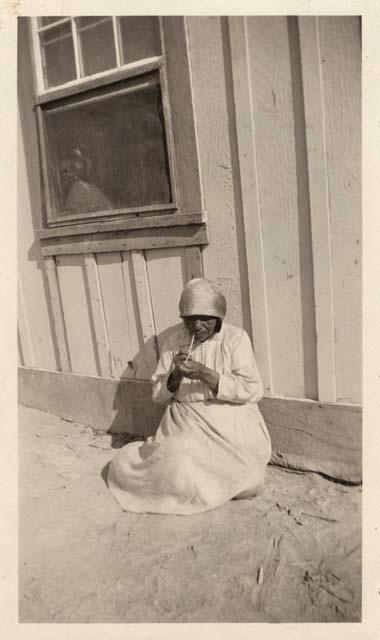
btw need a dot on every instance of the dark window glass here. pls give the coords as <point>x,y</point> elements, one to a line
<point>97,44</point>
<point>44,22</point>
<point>107,150</point>
<point>57,52</point>
<point>140,37</point>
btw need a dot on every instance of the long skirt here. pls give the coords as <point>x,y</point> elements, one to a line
<point>202,455</point>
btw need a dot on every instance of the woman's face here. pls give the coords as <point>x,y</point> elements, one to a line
<point>201,327</point>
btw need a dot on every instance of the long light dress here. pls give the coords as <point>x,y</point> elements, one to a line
<point>208,448</point>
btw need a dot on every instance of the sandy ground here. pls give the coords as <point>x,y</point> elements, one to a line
<point>292,554</point>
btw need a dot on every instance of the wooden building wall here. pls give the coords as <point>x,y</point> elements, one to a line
<point>281,166</point>
<point>277,107</point>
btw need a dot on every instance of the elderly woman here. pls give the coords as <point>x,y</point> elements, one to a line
<point>212,444</point>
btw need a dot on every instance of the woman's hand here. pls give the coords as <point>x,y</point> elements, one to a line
<point>179,359</point>
<point>176,375</point>
<point>186,367</point>
<point>196,371</point>
<point>191,368</point>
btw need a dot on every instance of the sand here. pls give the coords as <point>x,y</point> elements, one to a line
<point>293,554</point>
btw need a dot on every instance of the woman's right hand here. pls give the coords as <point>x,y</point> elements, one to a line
<point>179,359</point>
<point>176,375</point>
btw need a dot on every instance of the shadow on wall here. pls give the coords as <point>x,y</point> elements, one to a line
<point>136,415</point>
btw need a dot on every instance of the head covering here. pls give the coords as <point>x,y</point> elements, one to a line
<point>201,297</point>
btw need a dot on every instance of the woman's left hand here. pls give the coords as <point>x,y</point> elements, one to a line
<point>192,369</point>
<point>197,371</point>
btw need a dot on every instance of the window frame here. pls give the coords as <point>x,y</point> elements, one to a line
<point>83,84</point>
<point>184,226</point>
<point>36,29</point>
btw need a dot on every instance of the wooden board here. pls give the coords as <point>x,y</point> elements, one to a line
<point>340,52</point>
<point>223,259</point>
<point>328,435</point>
<point>320,212</point>
<point>29,261</point>
<point>75,305</point>
<point>182,113</point>
<point>194,264</point>
<point>121,406</point>
<point>145,312</point>
<point>272,105</point>
<point>120,308</point>
<point>126,240</point>
<point>58,315</point>
<point>98,317</point>
<point>143,222</point>
<point>166,274</point>
<point>256,294</point>
<point>20,355</point>
<point>306,258</point>
<point>24,330</point>
<point>307,435</point>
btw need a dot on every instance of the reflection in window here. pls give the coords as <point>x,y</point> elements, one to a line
<point>108,151</point>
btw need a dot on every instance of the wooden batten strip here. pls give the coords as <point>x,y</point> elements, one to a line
<point>194,266</point>
<point>319,206</point>
<point>44,161</point>
<point>254,249</point>
<point>59,323</point>
<point>142,222</point>
<point>182,113</point>
<point>146,319</point>
<point>23,329</point>
<point>98,314</point>
<point>126,241</point>
<point>169,135</point>
<point>20,355</point>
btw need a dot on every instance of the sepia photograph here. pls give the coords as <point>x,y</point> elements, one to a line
<point>189,269</point>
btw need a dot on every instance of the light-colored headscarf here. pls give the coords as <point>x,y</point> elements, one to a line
<point>201,297</point>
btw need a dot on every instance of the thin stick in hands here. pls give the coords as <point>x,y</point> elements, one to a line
<point>191,346</point>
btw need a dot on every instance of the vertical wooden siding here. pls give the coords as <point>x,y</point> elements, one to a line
<point>34,319</point>
<point>120,314</point>
<point>222,261</point>
<point>110,309</point>
<point>282,162</point>
<point>340,57</point>
<point>167,276</point>
<point>280,210</point>
<point>277,109</point>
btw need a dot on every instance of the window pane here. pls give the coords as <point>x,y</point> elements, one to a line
<point>89,20</point>
<point>97,44</point>
<point>140,37</point>
<point>58,55</point>
<point>110,153</point>
<point>43,22</point>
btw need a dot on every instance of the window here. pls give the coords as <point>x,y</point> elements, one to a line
<point>68,49</point>
<point>104,121</point>
<point>117,134</point>
<point>107,152</point>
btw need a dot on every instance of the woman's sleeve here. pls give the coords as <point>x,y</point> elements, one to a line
<point>160,392</point>
<point>243,383</point>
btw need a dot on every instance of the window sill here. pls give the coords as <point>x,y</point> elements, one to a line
<point>99,79</point>
<point>131,234</point>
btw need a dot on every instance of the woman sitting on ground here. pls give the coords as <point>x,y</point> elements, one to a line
<point>212,444</point>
